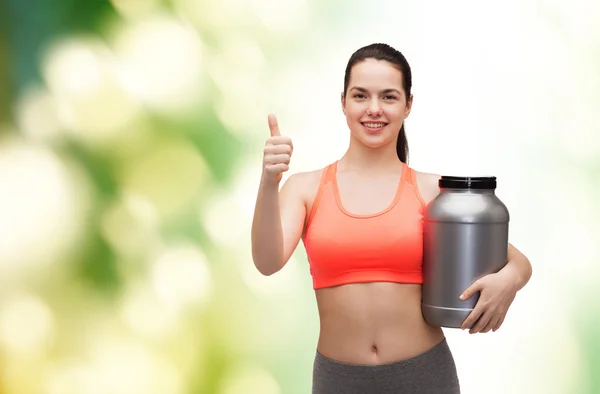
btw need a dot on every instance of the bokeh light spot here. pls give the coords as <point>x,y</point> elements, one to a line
<point>249,379</point>
<point>130,225</point>
<point>143,312</point>
<point>41,206</point>
<point>169,174</point>
<point>92,103</point>
<point>27,325</point>
<point>181,277</point>
<point>162,59</point>
<point>130,368</point>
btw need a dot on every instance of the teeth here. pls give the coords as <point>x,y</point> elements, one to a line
<point>374,125</point>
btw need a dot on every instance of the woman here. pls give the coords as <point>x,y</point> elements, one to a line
<point>360,220</point>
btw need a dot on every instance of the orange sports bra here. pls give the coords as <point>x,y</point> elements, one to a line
<point>387,246</point>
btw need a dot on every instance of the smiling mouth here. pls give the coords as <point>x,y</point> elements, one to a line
<point>374,125</point>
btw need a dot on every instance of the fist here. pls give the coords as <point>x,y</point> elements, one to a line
<point>277,153</point>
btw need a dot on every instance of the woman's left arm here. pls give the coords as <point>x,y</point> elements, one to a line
<point>497,292</point>
<point>518,267</point>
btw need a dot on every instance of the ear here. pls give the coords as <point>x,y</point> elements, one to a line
<point>409,103</point>
<point>343,103</point>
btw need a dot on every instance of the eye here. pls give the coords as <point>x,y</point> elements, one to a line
<point>390,97</point>
<point>359,95</point>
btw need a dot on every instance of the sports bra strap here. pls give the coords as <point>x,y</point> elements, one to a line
<point>329,175</point>
<point>326,177</point>
<point>410,177</point>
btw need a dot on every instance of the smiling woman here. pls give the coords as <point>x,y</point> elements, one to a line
<point>361,222</point>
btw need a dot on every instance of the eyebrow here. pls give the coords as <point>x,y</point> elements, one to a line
<point>384,91</point>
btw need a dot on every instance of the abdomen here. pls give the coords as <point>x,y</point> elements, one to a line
<point>373,323</point>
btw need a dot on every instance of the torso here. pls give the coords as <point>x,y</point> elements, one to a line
<point>373,323</point>
<point>370,323</point>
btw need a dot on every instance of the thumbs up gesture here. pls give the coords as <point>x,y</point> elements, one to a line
<point>277,152</point>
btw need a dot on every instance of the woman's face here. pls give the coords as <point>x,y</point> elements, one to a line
<point>375,103</point>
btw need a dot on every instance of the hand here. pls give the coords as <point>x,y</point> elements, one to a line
<point>277,153</point>
<point>497,292</point>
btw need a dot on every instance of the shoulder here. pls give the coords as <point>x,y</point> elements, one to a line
<point>303,179</point>
<point>427,183</point>
<point>304,184</point>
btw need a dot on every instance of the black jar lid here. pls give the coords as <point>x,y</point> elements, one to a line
<point>467,182</point>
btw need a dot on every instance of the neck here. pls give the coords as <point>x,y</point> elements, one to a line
<point>361,158</point>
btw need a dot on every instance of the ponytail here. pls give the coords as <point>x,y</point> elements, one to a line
<point>402,146</point>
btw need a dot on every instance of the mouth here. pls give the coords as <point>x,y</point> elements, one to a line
<point>373,126</point>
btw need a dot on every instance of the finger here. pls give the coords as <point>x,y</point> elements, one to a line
<point>277,168</point>
<point>273,126</point>
<point>474,288</point>
<point>473,316</point>
<point>491,324</point>
<point>497,326</point>
<point>277,159</point>
<point>481,323</point>
<point>278,149</point>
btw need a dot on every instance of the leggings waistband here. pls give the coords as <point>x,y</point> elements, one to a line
<point>434,354</point>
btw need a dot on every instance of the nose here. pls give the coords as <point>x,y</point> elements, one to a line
<point>374,108</point>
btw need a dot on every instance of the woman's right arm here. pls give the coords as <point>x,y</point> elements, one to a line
<point>278,223</point>
<point>278,215</point>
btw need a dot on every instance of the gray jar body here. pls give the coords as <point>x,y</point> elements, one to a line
<point>465,237</point>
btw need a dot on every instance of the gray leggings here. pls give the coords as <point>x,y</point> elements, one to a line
<point>431,372</point>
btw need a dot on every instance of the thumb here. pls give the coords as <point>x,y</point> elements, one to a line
<point>273,126</point>
<point>474,288</point>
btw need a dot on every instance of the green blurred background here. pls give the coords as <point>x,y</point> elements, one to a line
<point>130,153</point>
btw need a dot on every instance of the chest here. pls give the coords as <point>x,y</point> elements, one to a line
<point>387,241</point>
<point>366,196</point>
